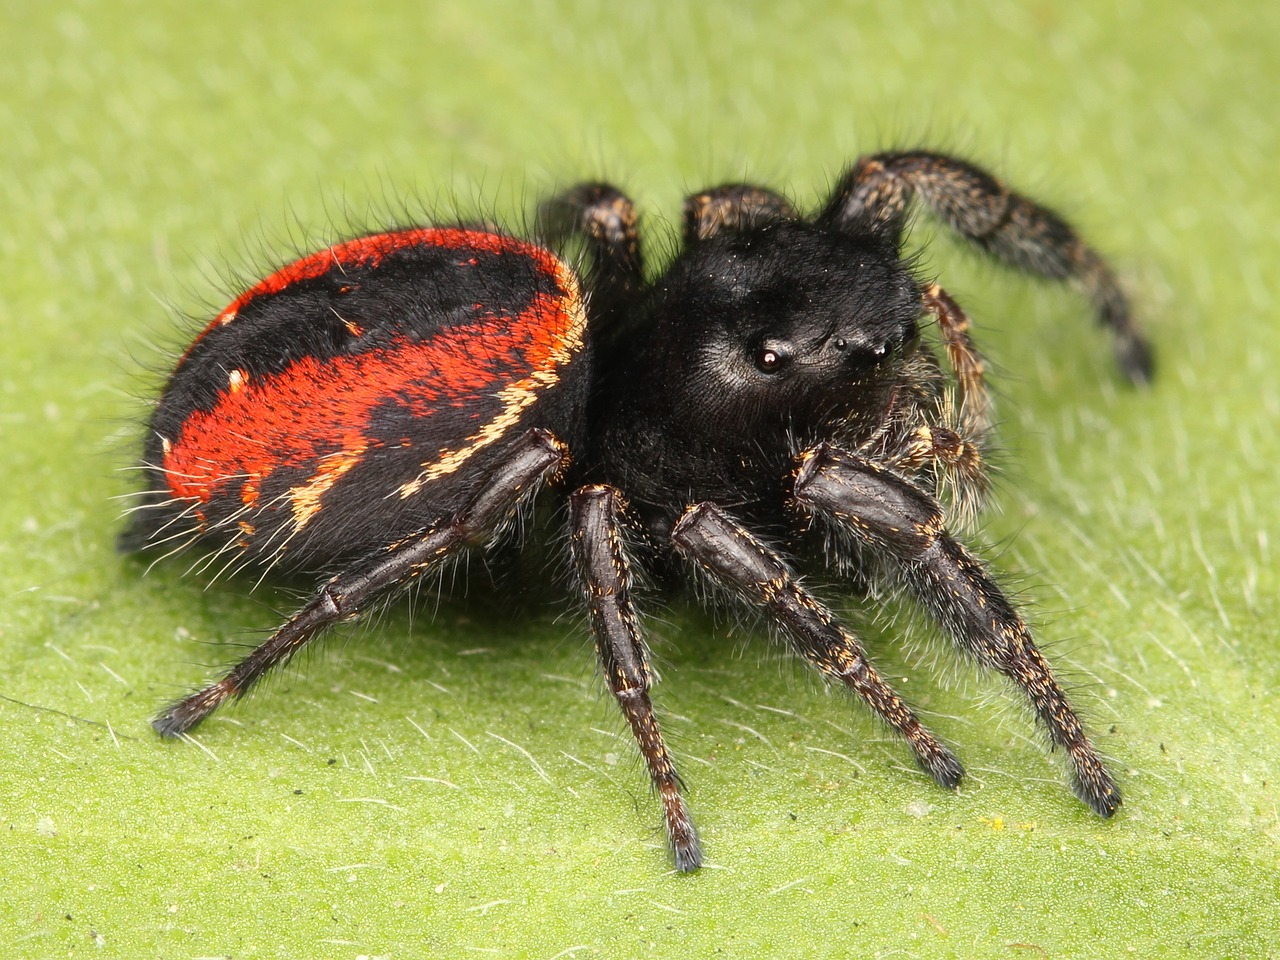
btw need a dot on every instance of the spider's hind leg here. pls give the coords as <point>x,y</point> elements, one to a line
<point>535,457</point>
<point>732,207</point>
<point>605,220</point>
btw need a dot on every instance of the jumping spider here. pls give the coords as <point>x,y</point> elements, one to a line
<point>767,400</point>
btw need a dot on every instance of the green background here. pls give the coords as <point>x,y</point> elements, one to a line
<point>462,786</point>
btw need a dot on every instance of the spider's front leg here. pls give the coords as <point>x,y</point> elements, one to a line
<point>736,559</point>
<point>604,569</point>
<point>533,458</point>
<point>875,194</point>
<point>900,521</point>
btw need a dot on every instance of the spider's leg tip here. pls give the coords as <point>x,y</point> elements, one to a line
<point>170,724</point>
<point>1104,802</point>
<point>943,766</point>
<point>1099,793</point>
<point>688,856</point>
<point>1137,359</point>
<point>683,837</point>
<point>187,713</point>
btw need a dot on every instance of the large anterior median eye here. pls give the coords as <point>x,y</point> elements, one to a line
<point>772,356</point>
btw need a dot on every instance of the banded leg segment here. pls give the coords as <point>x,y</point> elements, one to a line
<point>875,194</point>
<point>906,524</point>
<point>734,558</point>
<point>603,567</point>
<point>975,398</point>
<point>732,207</point>
<point>536,457</point>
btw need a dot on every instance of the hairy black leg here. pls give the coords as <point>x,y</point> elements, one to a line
<point>605,219</point>
<point>603,567</point>
<point>537,456</point>
<point>732,207</point>
<point>736,559</point>
<point>875,193</point>
<point>906,524</point>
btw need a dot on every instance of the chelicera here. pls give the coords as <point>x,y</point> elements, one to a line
<point>769,402</point>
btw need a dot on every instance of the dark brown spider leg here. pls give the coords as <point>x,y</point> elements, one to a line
<point>736,559</point>
<point>605,219</point>
<point>875,193</point>
<point>906,524</point>
<point>604,569</point>
<point>732,207</point>
<point>536,457</point>
<point>975,399</point>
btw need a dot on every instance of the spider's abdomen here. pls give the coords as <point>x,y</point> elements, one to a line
<point>360,393</point>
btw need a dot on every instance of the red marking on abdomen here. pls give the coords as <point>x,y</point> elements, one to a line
<point>319,408</point>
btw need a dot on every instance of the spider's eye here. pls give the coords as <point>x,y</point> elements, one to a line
<point>772,357</point>
<point>840,343</point>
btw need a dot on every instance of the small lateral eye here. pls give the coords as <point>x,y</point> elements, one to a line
<point>840,343</point>
<point>771,358</point>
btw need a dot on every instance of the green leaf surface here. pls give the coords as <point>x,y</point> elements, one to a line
<point>460,785</point>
